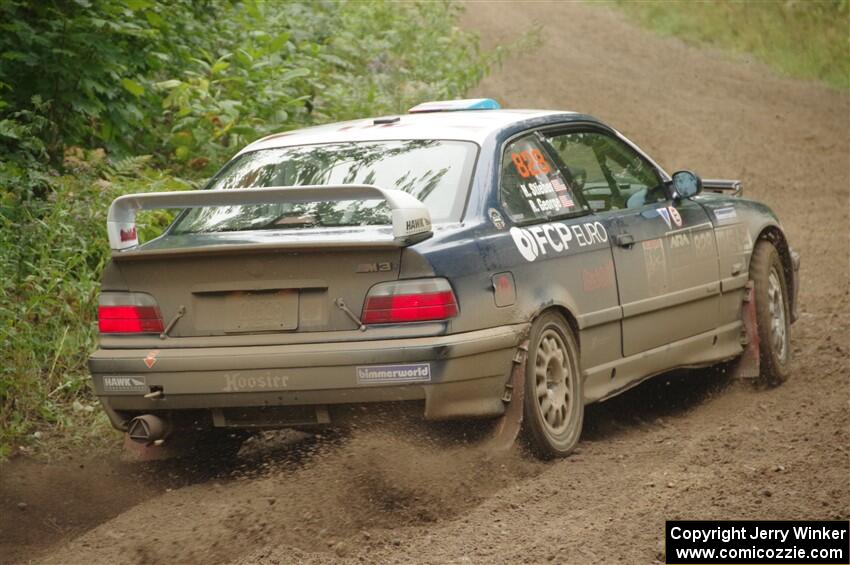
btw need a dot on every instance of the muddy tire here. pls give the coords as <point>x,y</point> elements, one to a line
<point>553,406</point>
<point>773,313</point>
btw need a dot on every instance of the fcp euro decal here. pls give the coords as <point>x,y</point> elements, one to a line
<point>556,237</point>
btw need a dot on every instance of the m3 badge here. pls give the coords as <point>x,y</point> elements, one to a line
<point>384,267</point>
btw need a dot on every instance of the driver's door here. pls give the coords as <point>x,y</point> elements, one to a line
<point>665,254</point>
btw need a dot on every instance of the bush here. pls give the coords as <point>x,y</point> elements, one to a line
<point>104,97</point>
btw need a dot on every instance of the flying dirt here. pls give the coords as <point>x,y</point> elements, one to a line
<point>689,445</point>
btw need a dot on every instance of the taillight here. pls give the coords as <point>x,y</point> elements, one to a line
<point>410,301</point>
<point>128,312</point>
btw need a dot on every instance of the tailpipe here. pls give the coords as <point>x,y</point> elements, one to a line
<point>148,429</point>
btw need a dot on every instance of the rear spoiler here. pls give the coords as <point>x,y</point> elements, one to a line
<point>723,186</point>
<point>411,218</point>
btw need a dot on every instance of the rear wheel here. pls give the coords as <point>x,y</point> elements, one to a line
<point>772,313</point>
<point>553,410</point>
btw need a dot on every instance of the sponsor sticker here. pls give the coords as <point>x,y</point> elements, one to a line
<point>235,382</point>
<point>733,239</point>
<point>124,385</point>
<point>675,216</point>
<point>655,261</point>
<point>556,237</point>
<point>679,240</point>
<point>598,277</point>
<point>704,242</point>
<point>497,219</point>
<point>566,201</point>
<point>665,215</point>
<point>417,225</point>
<point>150,358</point>
<point>378,374</point>
<point>723,215</point>
<point>558,185</point>
<point>128,235</point>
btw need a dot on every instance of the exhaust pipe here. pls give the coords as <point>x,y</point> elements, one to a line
<point>148,429</point>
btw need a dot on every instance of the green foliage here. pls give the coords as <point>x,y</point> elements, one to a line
<point>53,249</point>
<point>802,38</point>
<point>190,82</point>
<point>104,97</point>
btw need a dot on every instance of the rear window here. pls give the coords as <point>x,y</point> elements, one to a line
<point>436,172</point>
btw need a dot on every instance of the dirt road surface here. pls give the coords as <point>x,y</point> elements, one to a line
<point>693,445</point>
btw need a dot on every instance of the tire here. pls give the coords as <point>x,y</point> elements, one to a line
<point>553,403</point>
<point>773,313</point>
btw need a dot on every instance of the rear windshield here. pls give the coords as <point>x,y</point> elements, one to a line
<point>436,172</point>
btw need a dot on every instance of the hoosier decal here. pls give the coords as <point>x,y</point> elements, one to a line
<point>235,382</point>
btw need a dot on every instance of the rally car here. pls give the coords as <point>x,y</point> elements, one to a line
<point>468,260</point>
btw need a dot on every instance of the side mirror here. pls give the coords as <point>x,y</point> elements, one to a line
<point>686,184</point>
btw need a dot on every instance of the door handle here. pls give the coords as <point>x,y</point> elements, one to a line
<point>626,240</point>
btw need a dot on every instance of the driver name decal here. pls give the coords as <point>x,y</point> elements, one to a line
<point>556,237</point>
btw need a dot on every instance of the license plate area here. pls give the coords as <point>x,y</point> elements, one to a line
<point>247,311</point>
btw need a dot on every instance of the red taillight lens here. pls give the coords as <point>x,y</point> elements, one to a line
<point>410,301</point>
<point>128,312</point>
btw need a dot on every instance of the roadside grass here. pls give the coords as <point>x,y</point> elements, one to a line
<point>52,251</point>
<point>801,38</point>
<point>180,111</point>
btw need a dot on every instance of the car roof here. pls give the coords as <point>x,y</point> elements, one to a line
<point>472,125</point>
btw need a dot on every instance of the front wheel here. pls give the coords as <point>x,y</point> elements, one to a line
<point>553,410</point>
<point>772,313</point>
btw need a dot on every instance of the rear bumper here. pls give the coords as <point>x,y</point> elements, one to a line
<point>459,375</point>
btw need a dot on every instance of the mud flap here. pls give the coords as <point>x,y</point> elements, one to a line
<point>507,428</point>
<point>748,365</point>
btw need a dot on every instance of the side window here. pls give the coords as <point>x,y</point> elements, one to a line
<point>608,173</point>
<point>532,186</point>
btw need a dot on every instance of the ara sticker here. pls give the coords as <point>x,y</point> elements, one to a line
<point>725,214</point>
<point>150,358</point>
<point>679,240</point>
<point>496,218</point>
<point>675,216</point>
<point>533,241</point>
<point>665,215</point>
